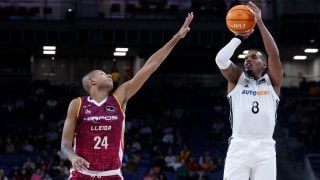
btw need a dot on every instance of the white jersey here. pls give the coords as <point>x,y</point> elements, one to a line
<point>253,108</point>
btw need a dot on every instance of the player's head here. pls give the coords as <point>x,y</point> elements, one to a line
<point>256,63</point>
<point>97,79</point>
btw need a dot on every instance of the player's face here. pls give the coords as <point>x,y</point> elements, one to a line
<point>103,79</point>
<point>254,63</point>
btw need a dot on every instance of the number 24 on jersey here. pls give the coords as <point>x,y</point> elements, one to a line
<point>101,142</point>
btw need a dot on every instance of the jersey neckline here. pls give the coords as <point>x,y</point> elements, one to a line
<point>97,103</point>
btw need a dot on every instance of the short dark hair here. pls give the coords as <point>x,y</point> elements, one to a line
<point>262,55</point>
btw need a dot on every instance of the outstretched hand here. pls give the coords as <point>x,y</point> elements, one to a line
<point>256,10</point>
<point>257,13</point>
<point>185,27</point>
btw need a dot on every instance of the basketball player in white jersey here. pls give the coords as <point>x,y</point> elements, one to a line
<point>93,133</point>
<point>253,96</point>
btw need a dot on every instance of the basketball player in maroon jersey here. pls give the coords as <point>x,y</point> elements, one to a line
<point>93,133</point>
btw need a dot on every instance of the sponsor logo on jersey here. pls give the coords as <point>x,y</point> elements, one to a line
<point>86,106</point>
<point>255,93</point>
<point>110,109</point>
<point>98,118</point>
<point>87,111</point>
<point>261,81</point>
<point>100,128</point>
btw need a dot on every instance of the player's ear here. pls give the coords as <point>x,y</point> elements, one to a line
<point>265,65</point>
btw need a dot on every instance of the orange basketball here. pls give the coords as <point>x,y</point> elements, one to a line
<point>240,19</point>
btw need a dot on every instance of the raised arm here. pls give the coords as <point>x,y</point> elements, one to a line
<point>229,70</point>
<point>129,88</point>
<point>274,63</point>
<point>68,134</point>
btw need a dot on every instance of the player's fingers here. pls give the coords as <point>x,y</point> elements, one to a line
<point>81,167</point>
<point>253,6</point>
<point>86,163</point>
<point>186,23</point>
<point>190,16</point>
<point>185,26</point>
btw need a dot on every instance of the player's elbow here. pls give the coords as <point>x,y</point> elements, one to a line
<point>222,61</point>
<point>221,57</point>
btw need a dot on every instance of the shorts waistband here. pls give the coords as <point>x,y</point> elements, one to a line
<point>251,137</point>
<point>102,173</point>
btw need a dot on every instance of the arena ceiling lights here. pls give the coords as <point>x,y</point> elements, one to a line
<point>311,50</point>
<point>243,55</point>
<point>49,50</point>
<point>120,51</point>
<point>300,57</point>
<point>307,51</point>
<point>245,52</point>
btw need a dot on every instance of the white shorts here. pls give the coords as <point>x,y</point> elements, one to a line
<point>254,159</point>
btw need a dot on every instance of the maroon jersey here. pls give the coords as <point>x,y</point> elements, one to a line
<point>99,133</point>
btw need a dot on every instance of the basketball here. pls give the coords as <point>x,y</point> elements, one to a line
<point>240,19</point>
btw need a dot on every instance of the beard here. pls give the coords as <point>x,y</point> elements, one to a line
<point>249,73</point>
